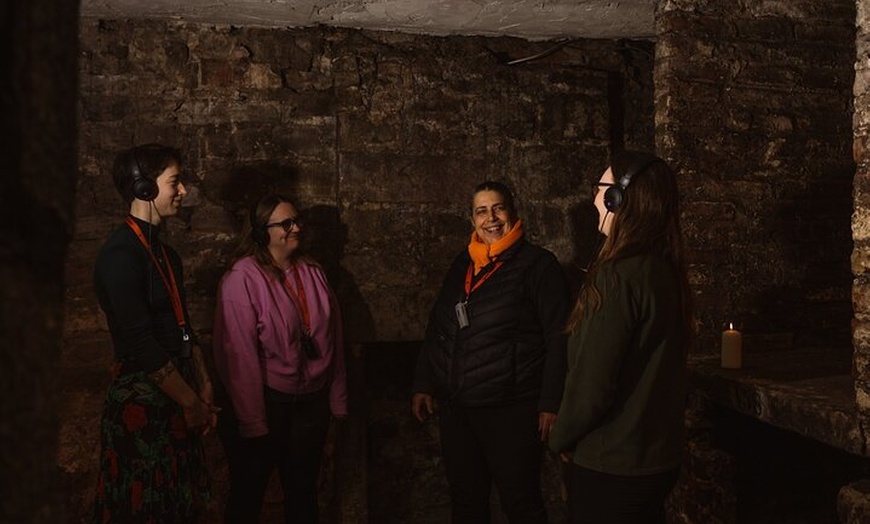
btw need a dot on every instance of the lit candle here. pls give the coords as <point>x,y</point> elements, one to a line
<point>732,348</point>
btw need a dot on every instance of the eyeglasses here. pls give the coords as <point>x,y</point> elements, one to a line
<point>288,223</point>
<point>596,185</point>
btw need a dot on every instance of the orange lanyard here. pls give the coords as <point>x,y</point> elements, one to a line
<point>299,299</point>
<point>169,283</point>
<point>468,289</point>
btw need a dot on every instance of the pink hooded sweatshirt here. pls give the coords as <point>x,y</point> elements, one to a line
<point>257,336</point>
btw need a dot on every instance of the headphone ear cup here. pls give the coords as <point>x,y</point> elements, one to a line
<point>144,188</point>
<point>613,198</point>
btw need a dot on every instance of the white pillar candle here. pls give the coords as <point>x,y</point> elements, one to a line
<point>732,348</point>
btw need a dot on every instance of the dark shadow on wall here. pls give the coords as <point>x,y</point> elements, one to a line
<point>781,476</point>
<point>587,242</point>
<point>242,186</point>
<point>810,304</point>
<point>325,239</point>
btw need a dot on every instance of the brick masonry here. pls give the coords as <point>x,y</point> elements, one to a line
<point>767,181</point>
<point>860,223</point>
<point>380,137</point>
<point>767,171</point>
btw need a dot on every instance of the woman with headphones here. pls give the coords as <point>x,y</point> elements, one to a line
<point>279,353</point>
<point>159,402</point>
<point>620,426</point>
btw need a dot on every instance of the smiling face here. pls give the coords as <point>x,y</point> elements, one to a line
<point>171,191</point>
<point>605,217</point>
<point>490,216</point>
<point>283,244</point>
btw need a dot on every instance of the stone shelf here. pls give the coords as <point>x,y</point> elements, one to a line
<point>806,391</point>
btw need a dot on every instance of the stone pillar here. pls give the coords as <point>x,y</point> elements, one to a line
<point>853,503</point>
<point>861,215</point>
<point>37,188</point>
<point>853,500</point>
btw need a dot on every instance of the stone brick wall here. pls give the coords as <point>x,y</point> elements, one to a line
<point>753,106</point>
<point>767,181</point>
<point>861,217</point>
<point>380,136</point>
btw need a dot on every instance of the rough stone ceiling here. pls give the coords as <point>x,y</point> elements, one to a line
<point>529,19</point>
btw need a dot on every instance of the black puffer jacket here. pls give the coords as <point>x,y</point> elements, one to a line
<point>514,346</point>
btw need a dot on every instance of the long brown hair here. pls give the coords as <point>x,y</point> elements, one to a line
<point>257,220</point>
<point>646,222</point>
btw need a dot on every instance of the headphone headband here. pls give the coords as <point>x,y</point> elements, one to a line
<point>615,194</point>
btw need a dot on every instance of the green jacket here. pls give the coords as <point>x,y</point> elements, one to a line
<point>623,408</point>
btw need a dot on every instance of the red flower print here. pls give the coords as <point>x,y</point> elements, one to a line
<point>137,495</point>
<point>135,417</point>
<point>179,427</point>
<point>112,459</point>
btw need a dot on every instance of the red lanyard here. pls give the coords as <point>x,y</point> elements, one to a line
<point>171,285</point>
<point>468,289</point>
<point>299,299</point>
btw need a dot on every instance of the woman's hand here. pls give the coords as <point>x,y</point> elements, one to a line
<point>212,419</point>
<point>422,405</point>
<point>197,414</point>
<point>206,394</point>
<point>201,415</point>
<point>545,424</point>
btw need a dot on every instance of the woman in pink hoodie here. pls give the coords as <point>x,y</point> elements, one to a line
<point>278,351</point>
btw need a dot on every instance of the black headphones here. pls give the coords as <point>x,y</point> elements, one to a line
<point>258,231</point>
<point>143,187</point>
<point>615,194</point>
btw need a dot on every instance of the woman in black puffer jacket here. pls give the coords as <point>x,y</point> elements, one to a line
<point>494,360</point>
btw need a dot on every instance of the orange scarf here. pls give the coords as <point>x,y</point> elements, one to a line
<point>483,254</point>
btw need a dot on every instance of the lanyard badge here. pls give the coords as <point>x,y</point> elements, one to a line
<point>300,302</point>
<point>461,314</point>
<point>186,350</point>
<point>171,285</point>
<point>461,307</point>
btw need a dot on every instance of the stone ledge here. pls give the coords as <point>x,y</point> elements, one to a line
<point>853,502</point>
<point>809,392</point>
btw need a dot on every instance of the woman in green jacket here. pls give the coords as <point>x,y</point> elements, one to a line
<point>620,425</point>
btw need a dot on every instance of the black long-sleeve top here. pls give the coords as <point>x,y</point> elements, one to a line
<point>142,323</point>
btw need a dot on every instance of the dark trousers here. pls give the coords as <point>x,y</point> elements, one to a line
<point>499,445</point>
<point>601,498</point>
<point>294,445</point>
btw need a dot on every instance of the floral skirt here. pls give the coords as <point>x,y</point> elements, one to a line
<point>151,467</point>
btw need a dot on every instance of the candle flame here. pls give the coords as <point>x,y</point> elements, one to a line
<point>730,326</point>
